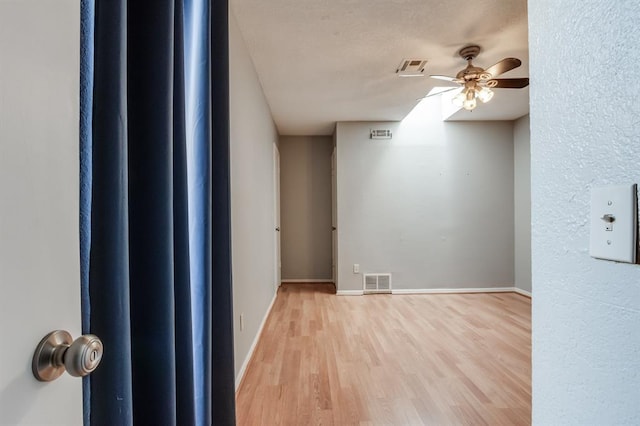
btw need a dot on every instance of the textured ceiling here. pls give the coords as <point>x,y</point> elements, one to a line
<point>323,61</point>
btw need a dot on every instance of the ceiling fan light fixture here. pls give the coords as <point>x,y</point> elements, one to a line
<point>458,100</point>
<point>470,93</point>
<point>484,94</point>
<point>469,104</point>
<point>467,98</point>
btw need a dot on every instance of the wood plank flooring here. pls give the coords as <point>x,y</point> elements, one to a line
<point>435,359</point>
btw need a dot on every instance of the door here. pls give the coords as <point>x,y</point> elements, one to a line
<point>334,217</point>
<point>39,199</point>
<point>276,215</point>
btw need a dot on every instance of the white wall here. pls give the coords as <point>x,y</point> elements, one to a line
<point>305,176</point>
<point>252,224</point>
<point>585,131</point>
<point>39,203</point>
<point>433,206</point>
<point>522,202</point>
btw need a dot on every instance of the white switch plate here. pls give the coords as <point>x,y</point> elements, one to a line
<point>356,268</point>
<point>614,240</point>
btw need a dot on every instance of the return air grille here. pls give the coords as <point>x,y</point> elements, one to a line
<point>376,283</point>
<point>411,68</point>
<point>380,134</point>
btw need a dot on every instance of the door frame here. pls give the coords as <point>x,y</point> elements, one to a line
<point>334,217</point>
<point>276,217</point>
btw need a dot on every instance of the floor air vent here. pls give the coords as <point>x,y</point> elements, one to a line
<point>376,283</point>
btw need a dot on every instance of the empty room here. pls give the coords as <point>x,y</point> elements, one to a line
<point>401,226</point>
<point>330,212</point>
<point>460,215</point>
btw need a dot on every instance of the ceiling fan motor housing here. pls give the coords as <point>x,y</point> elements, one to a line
<point>471,72</point>
<point>469,52</point>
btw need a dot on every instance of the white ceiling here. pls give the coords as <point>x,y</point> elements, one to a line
<point>323,61</point>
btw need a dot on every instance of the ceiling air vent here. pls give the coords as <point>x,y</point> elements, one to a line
<point>411,68</point>
<point>380,134</point>
<point>376,283</point>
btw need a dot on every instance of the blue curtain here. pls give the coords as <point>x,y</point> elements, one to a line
<point>86,102</point>
<point>158,287</point>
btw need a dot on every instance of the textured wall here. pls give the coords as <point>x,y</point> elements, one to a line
<point>305,199</point>
<point>522,202</point>
<point>585,131</point>
<point>252,196</point>
<point>433,206</point>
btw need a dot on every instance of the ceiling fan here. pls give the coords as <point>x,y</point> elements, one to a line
<point>477,82</point>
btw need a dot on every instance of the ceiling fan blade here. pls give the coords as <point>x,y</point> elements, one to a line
<point>439,93</point>
<point>509,83</point>
<point>446,78</point>
<point>507,64</point>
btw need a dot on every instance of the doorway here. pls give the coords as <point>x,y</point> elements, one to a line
<point>306,222</point>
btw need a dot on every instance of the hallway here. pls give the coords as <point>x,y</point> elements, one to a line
<point>381,359</point>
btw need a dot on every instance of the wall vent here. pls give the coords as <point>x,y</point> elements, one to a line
<point>376,283</point>
<point>411,68</point>
<point>380,134</point>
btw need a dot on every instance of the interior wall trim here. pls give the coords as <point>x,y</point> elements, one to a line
<point>349,293</point>
<point>453,290</point>
<point>303,281</point>
<point>442,291</point>
<point>252,349</point>
<point>522,292</point>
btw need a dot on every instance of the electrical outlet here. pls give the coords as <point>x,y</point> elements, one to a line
<point>356,268</point>
<point>241,322</point>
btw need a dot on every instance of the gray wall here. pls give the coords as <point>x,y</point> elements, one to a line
<point>305,207</point>
<point>252,197</point>
<point>522,202</point>
<point>433,206</point>
<point>586,312</point>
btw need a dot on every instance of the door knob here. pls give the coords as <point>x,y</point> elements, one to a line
<point>58,352</point>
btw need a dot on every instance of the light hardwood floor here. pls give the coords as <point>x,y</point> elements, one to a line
<point>379,359</point>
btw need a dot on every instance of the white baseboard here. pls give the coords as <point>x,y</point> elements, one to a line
<point>252,349</point>
<point>452,290</point>
<point>349,293</point>
<point>441,291</point>
<point>522,292</point>
<point>328,280</point>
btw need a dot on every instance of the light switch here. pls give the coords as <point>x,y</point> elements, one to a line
<point>614,221</point>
